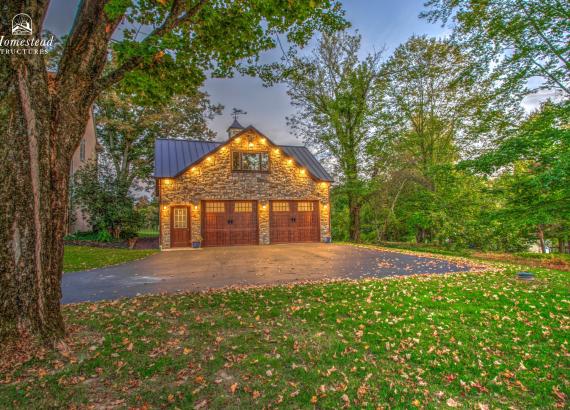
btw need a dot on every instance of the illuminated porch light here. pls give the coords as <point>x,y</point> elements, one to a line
<point>302,171</point>
<point>289,161</point>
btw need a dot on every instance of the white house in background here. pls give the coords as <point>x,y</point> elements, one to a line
<point>87,151</point>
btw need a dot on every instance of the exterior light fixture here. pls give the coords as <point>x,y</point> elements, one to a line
<point>262,140</point>
<point>302,171</point>
<point>251,145</point>
<point>238,139</point>
<point>289,162</point>
<point>164,207</point>
<point>209,158</point>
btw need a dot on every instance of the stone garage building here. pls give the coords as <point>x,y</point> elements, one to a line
<point>245,191</point>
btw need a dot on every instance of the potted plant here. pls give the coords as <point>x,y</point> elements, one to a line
<point>197,243</point>
<point>327,237</point>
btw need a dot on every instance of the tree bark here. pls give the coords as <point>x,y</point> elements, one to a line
<point>40,128</point>
<point>354,217</point>
<point>540,234</point>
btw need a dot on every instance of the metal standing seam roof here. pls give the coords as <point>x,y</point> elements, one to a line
<point>173,156</point>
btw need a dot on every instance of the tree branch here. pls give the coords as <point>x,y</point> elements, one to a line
<point>172,21</point>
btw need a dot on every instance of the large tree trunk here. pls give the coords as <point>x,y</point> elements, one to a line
<point>33,217</point>
<point>540,234</point>
<point>39,132</point>
<point>354,217</point>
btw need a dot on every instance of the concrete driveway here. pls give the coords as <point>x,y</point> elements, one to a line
<point>202,269</point>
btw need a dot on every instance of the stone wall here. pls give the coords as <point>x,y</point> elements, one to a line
<point>213,178</point>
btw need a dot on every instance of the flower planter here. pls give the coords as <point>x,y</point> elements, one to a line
<point>328,239</point>
<point>196,245</point>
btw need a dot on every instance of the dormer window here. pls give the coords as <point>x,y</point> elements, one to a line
<point>250,161</point>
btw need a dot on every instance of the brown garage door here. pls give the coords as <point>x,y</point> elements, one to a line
<point>227,223</point>
<point>294,221</point>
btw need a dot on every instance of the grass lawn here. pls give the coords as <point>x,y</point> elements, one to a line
<point>469,340</point>
<point>550,260</point>
<point>86,257</point>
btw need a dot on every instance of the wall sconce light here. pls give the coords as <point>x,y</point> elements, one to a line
<point>164,207</point>
<point>251,145</point>
<point>289,162</point>
<point>302,171</point>
<point>276,150</point>
<point>262,140</point>
<point>195,207</point>
<point>325,206</point>
<point>209,158</point>
<point>238,139</point>
<point>167,182</point>
<point>263,204</point>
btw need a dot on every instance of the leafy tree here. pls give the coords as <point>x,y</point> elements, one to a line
<point>127,130</point>
<point>106,201</point>
<point>149,212</point>
<point>534,169</point>
<point>437,104</point>
<point>333,91</point>
<point>530,37</point>
<point>158,49</point>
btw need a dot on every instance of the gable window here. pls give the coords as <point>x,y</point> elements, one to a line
<point>250,161</point>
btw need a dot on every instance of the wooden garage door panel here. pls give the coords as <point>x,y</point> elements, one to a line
<point>243,227</point>
<point>227,223</point>
<point>281,214</point>
<point>294,221</point>
<point>306,222</point>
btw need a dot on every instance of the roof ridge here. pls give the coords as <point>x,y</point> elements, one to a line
<point>187,140</point>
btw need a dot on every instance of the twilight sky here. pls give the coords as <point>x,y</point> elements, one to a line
<point>382,23</point>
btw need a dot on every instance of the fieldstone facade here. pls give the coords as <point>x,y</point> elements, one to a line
<point>212,179</point>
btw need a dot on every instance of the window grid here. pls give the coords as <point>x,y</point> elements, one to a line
<point>180,218</point>
<point>214,207</point>
<point>305,207</point>
<point>250,161</point>
<point>242,207</point>
<point>281,206</point>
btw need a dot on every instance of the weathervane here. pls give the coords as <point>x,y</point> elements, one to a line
<point>236,112</point>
